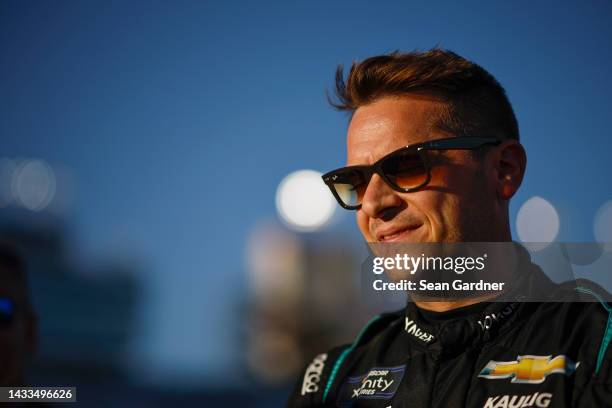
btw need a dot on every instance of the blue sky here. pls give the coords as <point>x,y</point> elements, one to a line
<point>179,119</point>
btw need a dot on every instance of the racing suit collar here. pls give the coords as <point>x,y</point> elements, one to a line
<point>453,336</point>
<point>474,325</point>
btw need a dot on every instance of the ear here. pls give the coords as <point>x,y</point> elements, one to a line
<point>511,162</point>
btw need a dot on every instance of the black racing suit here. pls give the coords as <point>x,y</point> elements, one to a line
<point>494,355</point>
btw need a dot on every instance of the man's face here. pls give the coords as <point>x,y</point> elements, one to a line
<point>16,337</point>
<point>458,204</point>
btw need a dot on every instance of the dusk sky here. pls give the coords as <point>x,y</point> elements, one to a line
<point>178,120</point>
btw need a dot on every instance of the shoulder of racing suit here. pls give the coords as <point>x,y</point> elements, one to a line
<point>578,322</point>
<point>314,385</point>
<point>587,321</point>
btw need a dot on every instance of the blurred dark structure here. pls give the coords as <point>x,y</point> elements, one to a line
<point>87,321</point>
<point>305,298</point>
<point>86,317</point>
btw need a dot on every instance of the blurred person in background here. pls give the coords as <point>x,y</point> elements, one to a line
<point>434,156</point>
<point>18,322</point>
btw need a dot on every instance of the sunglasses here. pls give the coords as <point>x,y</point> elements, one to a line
<point>405,170</point>
<point>7,312</point>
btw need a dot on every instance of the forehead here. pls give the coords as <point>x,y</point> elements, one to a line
<point>389,123</point>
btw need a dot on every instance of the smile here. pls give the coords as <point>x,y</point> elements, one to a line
<point>397,235</point>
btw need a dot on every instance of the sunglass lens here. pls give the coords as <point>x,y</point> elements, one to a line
<point>350,186</point>
<point>405,169</point>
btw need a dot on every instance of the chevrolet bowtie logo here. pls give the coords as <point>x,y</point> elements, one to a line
<point>529,369</point>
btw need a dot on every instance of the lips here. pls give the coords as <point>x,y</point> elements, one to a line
<point>396,233</point>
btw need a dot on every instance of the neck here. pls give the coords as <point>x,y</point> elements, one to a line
<point>445,306</point>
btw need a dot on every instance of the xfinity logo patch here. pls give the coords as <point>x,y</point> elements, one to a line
<point>536,400</point>
<point>379,382</point>
<point>312,377</point>
<point>412,328</point>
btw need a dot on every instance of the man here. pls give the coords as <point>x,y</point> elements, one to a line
<point>17,319</point>
<point>434,157</point>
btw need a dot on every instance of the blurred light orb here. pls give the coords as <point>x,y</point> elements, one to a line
<point>602,227</point>
<point>303,201</point>
<point>33,184</point>
<point>537,222</point>
<point>275,262</point>
<point>7,169</point>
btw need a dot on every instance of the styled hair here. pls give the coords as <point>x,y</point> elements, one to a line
<point>474,103</point>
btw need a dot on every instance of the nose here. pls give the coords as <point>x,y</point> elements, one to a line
<point>380,200</point>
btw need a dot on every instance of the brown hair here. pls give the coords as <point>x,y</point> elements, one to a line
<point>475,103</point>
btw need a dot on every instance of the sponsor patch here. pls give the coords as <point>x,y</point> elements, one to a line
<point>312,376</point>
<point>378,383</point>
<point>412,328</point>
<point>536,400</point>
<point>528,369</point>
<point>488,321</point>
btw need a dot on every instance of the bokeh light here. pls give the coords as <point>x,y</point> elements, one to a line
<point>602,226</point>
<point>33,184</point>
<point>303,201</point>
<point>537,221</point>
<point>275,261</point>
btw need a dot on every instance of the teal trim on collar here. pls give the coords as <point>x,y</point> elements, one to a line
<point>607,337</point>
<point>343,355</point>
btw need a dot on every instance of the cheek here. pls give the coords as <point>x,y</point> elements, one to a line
<point>462,195</point>
<point>433,208</point>
<point>363,222</point>
<point>439,203</point>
